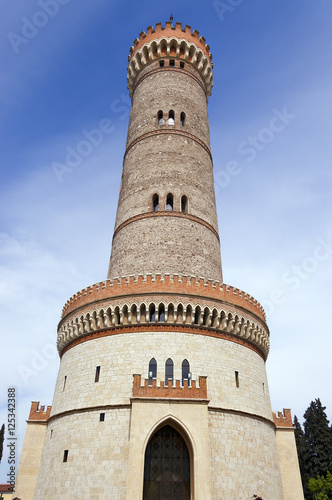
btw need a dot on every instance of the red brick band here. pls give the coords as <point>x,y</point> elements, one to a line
<point>165,213</point>
<point>172,131</point>
<point>122,329</point>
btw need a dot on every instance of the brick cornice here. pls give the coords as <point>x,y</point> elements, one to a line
<point>152,328</point>
<point>164,213</point>
<point>170,130</point>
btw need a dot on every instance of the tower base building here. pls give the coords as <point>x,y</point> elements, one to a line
<point>162,390</point>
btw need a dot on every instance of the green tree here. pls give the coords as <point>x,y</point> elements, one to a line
<point>317,435</point>
<point>321,487</point>
<point>305,457</point>
<point>2,436</point>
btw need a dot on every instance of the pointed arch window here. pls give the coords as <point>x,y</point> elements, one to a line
<point>161,313</point>
<point>169,202</point>
<point>152,312</point>
<point>169,369</point>
<point>184,204</point>
<point>152,370</point>
<point>197,315</point>
<point>182,119</point>
<point>171,117</point>
<point>155,202</point>
<point>160,118</point>
<point>185,370</point>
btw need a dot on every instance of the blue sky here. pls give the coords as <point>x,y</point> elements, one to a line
<point>270,124</point>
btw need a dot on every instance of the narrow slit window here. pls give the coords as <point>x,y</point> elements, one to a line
<point>64,383</point>
<point>182,119</point>
<point>102,417</point>
<point>172,63</point>
<point>184,204</point>
<point>169,202</point>
<point>237,381</point>
<point>51,433</point>
<point>168,371</point>
<point>155,202</point>
<point>65,455</point>
<point>160,117</point>
<point>97,374</point>
<point>171,117</point>
<point>181,64</point>
<point>161,64</point>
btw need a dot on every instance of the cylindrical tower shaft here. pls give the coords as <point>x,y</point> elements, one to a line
<point>166,219</point>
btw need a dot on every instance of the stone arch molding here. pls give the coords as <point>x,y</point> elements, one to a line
<point>148,313</point>
<point>170,47</point>
<point>175,422</point>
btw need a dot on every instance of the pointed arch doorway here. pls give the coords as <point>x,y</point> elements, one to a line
<point>166,466</point>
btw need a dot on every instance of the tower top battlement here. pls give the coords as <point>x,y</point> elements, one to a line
<point>170,41</point>
<point>170,31</point>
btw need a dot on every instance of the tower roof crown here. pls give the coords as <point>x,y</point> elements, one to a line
<point>170,41</point>
<point>170,31</point>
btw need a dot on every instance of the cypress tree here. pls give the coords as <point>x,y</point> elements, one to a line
<point>305,457</point>
<point>2,436</point>
<point>317,434</point>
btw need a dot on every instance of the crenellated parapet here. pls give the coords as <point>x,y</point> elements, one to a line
<point>152,389</point>
<point>283,419</point>
<point>167,283</point>
<point>170,41</point>
<point>39,413</point>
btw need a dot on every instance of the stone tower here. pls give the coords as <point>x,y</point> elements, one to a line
<point>162,390</point>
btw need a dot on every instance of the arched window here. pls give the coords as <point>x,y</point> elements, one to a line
<point>167,466</point>
<point>197,315</point>
<point>152,370</point>
<point>155,202</point>
<point>161,313</point>
<point>185,370</point>
<point>182,119</point>
<point>168,371</point>
<point>160,118</point>
<point>171,117</point>
<point>152,312</point>
<point>184,204</point>
<point>169,202</point>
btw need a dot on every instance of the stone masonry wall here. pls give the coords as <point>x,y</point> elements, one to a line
<point>96,466</point>
<point>244,458</point>
<point>123,355</point>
